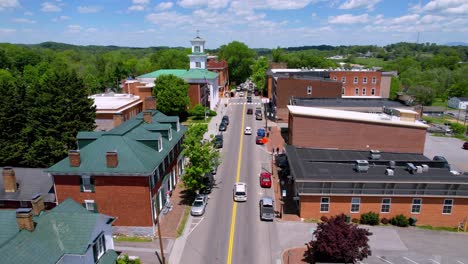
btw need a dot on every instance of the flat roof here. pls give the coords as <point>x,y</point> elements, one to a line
<point>354,116</point>
<point>319,70</point>
<point>347,102</point>
<point>111,102</point>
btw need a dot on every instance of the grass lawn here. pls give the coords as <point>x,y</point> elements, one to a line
<point>438,228</point>
<point>439,102</point>
<point>181,227</point>
<point>191,121</point>
<point>131,239</point>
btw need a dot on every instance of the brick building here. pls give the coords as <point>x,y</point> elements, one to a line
<point>222,69</point>
<point>313,127</point>
<point>331,182</point>
<point>359,104</point>
<point>126,172</point>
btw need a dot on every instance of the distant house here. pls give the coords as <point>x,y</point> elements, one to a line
<point>458,102</point>
<point>66,234</point>
<point>126,172</point>
<point>18,186</point>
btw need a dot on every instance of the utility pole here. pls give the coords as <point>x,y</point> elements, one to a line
<point>160,239</point>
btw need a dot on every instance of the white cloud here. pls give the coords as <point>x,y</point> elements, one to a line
<point>138,5</point>
<point>74,28</point>
<point>136,8</point>
<point>6,4</point>
<point>91,30</point>
<point>169,19</point>
<point>429,19</point>
<point>27,13</point>
<point>88,9</point>
<point>60,18</point>
<point>352,4</point>
<point>50,7</point>
<point>407,19</point>
<point>314,14</point>
<point>215,4</point>
<point>164,6</point>
<point>348,19</point>
<point>7,30</point>
<point>24,21</point>
<point>140,2</point>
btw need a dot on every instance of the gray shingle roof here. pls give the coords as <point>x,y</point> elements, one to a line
<point>31,182</point>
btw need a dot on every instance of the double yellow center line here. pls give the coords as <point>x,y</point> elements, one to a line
<point>234,207</point>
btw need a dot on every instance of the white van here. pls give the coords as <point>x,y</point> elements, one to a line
<point>240,192</point>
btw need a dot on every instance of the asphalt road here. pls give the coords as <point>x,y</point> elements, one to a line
<point>252,241</point>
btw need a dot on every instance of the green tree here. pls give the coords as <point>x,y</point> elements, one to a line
<point>422,94</point>
<point>239,58</point>
<point>395,87</point>
<point>259,69</point>
<point>198,111</point>
<point>171,94</point>
<point>277,55</point>
<point>171,59</point>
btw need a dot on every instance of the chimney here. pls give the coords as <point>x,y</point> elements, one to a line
<point>148,116</point>
<point>9,180</point>
<point>118,119</point>
<point>149,103</point>
<point>24,218</point>
<point>112,159</point>
<point>74,157</point>
<point>37,204</point>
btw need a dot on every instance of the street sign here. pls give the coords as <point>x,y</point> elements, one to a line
<point>283,193</point>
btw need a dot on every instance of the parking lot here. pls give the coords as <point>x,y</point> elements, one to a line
<point>450,148</point>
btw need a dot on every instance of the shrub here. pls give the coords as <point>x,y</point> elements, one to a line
<point>384,221</point>
<point>324,218</point>
<point>198,111</point>
<point>412,221</point>
<point>212,113</point>
<point>399,220</point>
<point>355,220</point>
<point>457,128</point>
<point>370,218</point>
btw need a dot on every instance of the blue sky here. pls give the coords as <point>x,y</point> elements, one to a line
<point>257,23</point>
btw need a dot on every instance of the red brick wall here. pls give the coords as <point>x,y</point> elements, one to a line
<point>349,85</point>
<point>430,214</point>
<point>285,88</point>
<point>194,94</point>
<point>314,132</point>
<point>126,198</point>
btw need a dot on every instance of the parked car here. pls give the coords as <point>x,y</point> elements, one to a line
<point>282,161</point>
<point>249,111</point>
<point>443,159</point>
<point>222,127</point>
<point>208,182</point>
<point>239,193</point>
<point>465,145</point>
<point>267,211</point>
<point>199,205</point>
<point>218,141</point>
<point>261,132</point>
<point>259,140</point>
<point>258,116</point>
<point>225,120</point>
<point>265,180</point>
<point>248,131</point>
<point>249,99</point>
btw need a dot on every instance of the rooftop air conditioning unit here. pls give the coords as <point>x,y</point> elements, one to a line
<point>362,165</point>
<point>419,169</point>
<point>391,164</point>
<point>389,172</point>
<point>425,167</point>
<point>410,167</point>
<point>374,154</point>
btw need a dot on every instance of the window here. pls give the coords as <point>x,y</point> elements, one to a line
<point>386,202</point>
<point>90,205</point>
<point>364,80</point>
<point>178,126</point>
<point>374,80</point>
<point>363,91</point>
<point>197,64</point>
<point>342,90</point>
<point>356,91</point>
<point>324,204</point>
<point>373,91</point>
<point>99,247</point>
<point>448,204</point>
<point>416,206</point>
<point>152,181</point>
<point>160,147</point>
<point>309,90</point>
<point>334,78</point>
<point>343,79</point>
<point>2,203</point>
<point>355,204</point>
<point>87,183</point>
<point>23,204</point>
<point>356,79</point>
<point>196,48</point>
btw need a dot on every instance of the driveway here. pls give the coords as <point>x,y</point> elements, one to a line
<point>450,148</point>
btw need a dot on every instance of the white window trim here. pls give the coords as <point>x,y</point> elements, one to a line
<point>451,207</point>
<point>356,91</point>
<point>359,205</point>
<point>373,91</point>
<point>89,202</point>
<point>100,243</point>
<point>343,79</point>
<point>169,134</point>
<point>160,145</point>
<point>363,91</point>
<point>334,78</point>
<point>364,79</point>
<point>420,206</point>
<point>356,80</point>
<point>374,79</point>
<point>83,177</point>
<point>309,90</point>
<point>328,203</point>
<point>389,205</point>
<point>178,126</point>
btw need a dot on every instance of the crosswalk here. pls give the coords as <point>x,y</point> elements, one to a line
<point>241,103</point>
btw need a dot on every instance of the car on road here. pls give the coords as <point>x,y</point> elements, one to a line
<point>265,180</point>
<point>208,182</point>
<point>199,205</point>
<point>258,116</point>
<point>222,127</point>
<point>465,145</point>
<point>241,94</point>
<point>239,193</point>
<point>249,111</point>
<point>249,99</point>
<point>261,132</point>
<point>259,140</point>
<point>218,141</point>
<point>225,120</point>
<point>248,131</point>
<point>267,210</point>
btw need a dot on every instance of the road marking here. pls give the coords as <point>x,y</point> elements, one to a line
<point>434,261</point>
<point>234,207</point>
<point>384,260</point>
<point>410,260</point>
<point>460,262</point>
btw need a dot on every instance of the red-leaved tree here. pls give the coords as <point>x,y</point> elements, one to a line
<point>338,241</point>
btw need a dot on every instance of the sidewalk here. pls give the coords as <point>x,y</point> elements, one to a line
<point>216,120</point>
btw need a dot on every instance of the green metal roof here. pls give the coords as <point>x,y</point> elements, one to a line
<point>66,229</point>
<point>108,258</point>
<point>89,134</point>
<point>8,225</point>
<point>128,140</point>
<point>179,73</point>
<point>184,74</point>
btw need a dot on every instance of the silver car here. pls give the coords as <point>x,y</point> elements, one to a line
<point>267,209</point>
<point>199,205</point>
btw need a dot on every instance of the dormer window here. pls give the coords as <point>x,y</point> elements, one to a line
<point>169,134</point>
<point>160,146</point>
<point>178,126</point>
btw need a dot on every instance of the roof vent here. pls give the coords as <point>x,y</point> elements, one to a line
<point>425,167</point>
<point>391,164</point>
<point>389,172</point>
<point>411,168</point>
<point>374,154</point>
<point>362,165</point>
<point>419,169</point>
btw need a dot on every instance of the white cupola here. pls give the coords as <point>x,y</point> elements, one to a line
<point>198,57</point>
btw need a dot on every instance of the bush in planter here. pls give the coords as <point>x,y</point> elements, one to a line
<point>384,221</point>
<point>370,218</point>
<point>399,220</point>
<point>355,220</point>
<point>324,218</point>
<point>412,221</point>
